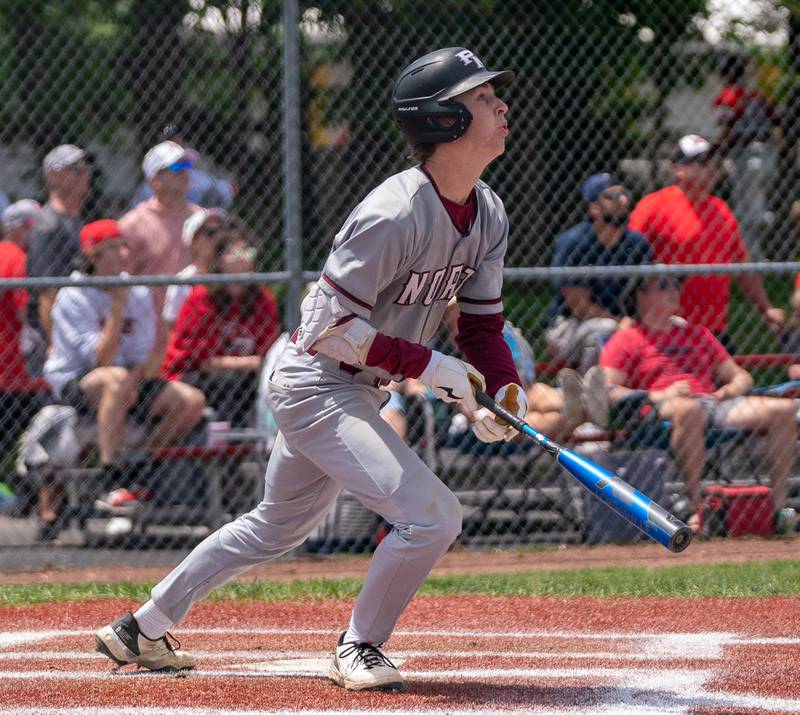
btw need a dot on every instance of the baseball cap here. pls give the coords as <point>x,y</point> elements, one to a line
<point>596,184</point>
<point>692,149</point>
<point>21,213</point>
<point>97,232</point>
<point>162,156</point>
<point>192,224</point>
<point>63,156</point>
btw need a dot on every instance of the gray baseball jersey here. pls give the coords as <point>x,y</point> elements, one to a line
<point>399,259</point>
<point>396,263</point>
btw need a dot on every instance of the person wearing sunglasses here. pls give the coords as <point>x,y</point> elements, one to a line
<point>585,312</point>
<point>154,228</point>
<point>686,376</point>
<point>685,223</point>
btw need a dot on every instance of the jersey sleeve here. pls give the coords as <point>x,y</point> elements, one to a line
<point>481,293</point>
<point>367,255</point>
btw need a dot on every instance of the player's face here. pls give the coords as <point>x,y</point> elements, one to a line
<point>489,127</point>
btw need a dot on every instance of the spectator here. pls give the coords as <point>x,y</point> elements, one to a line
<point>690,379</point>
<point>18,402</point>
<point>154,228</point>
<point>685,223</point>
<point>102,338</point>
<point>18,220</point>
<point>747,121</point>
<point>204,190</point>
<point>199,233</point>
<point>223,332</point>
<point>53,244</point>
<point>585,312</point>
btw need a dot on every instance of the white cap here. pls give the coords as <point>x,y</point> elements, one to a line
<point>63,156</point>
<point>21,213</point>
<point>691,148</point>
<point>161,156</point>
<point>192,224</point>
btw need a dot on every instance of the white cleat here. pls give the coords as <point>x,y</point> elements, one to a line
<point>361,666</point>
<point>124,643</point>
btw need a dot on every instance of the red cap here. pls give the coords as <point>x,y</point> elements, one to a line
<point>97,232</point>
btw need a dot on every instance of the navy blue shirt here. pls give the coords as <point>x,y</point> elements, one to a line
<point>580,246</point>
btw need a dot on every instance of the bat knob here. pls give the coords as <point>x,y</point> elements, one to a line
<point>680,539</point>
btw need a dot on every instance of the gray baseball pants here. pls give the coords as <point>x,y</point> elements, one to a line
<point>332,438</point>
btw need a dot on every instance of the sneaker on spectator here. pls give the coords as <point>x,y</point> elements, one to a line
<point>595,396</point>
<point>786,520</point>
<point>123,499</point>
<point>572,395</point>
<point>118,526</point>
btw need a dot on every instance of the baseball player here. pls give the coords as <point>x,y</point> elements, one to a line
<point>423,236</point>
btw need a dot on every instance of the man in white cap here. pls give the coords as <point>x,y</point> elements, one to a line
<point>153,229</point>
<point>685,223</point>
<point>53,244</point>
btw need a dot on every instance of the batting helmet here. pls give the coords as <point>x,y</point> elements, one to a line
<point>422,99</point>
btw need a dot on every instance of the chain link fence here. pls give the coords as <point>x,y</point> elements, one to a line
<point>282,146</point>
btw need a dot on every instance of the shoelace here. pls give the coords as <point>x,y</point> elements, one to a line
<point>367,654</point>
<point>169,645</point>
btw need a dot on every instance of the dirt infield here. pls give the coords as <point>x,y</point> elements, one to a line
<point>458,654</point>
<point>458,561</point>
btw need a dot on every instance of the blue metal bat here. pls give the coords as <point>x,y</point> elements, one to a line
<point>628,502</point>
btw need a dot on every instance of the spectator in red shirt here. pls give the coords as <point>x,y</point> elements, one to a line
<point>691,380</point>
<point>17,401</point>
<point>223,332</point>
<point>686,224</point>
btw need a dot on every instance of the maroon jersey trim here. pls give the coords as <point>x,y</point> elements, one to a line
<point>347,295</point>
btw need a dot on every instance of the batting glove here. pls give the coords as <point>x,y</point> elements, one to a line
<point>488,427</point>
<point>452,380</point>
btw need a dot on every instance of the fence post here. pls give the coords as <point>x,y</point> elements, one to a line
<point>292,217</point>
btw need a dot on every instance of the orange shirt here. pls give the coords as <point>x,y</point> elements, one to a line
<point>683,232</point>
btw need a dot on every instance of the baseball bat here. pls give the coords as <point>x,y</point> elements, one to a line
<point>630,503</point>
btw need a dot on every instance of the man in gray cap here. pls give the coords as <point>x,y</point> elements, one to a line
<point>53,243</point>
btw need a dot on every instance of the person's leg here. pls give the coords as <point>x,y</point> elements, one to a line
<point>296,498</point>
<point>547,411</point>
<point>107,390</point>
<point>776,417</point>
<point>180,407</point>
<point>689,420</point>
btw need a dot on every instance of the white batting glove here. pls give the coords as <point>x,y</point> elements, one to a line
<point>488,427</point>
<point>348,341</point>
<point>452,379</point>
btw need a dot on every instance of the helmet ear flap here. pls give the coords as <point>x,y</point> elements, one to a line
<point>435,122</point>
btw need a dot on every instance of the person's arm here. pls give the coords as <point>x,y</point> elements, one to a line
<point>111,333</point>
<point>733,380</point>
<point>579,300</point>
<point>753,288</point>
<point>243,363</point>
<point>44,306</point>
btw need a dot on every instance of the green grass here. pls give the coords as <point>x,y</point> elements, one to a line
<point>756,579</point>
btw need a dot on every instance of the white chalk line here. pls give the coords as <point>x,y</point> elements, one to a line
<point>656,690</point>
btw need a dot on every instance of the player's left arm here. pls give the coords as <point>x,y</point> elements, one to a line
<point>480,338</point>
